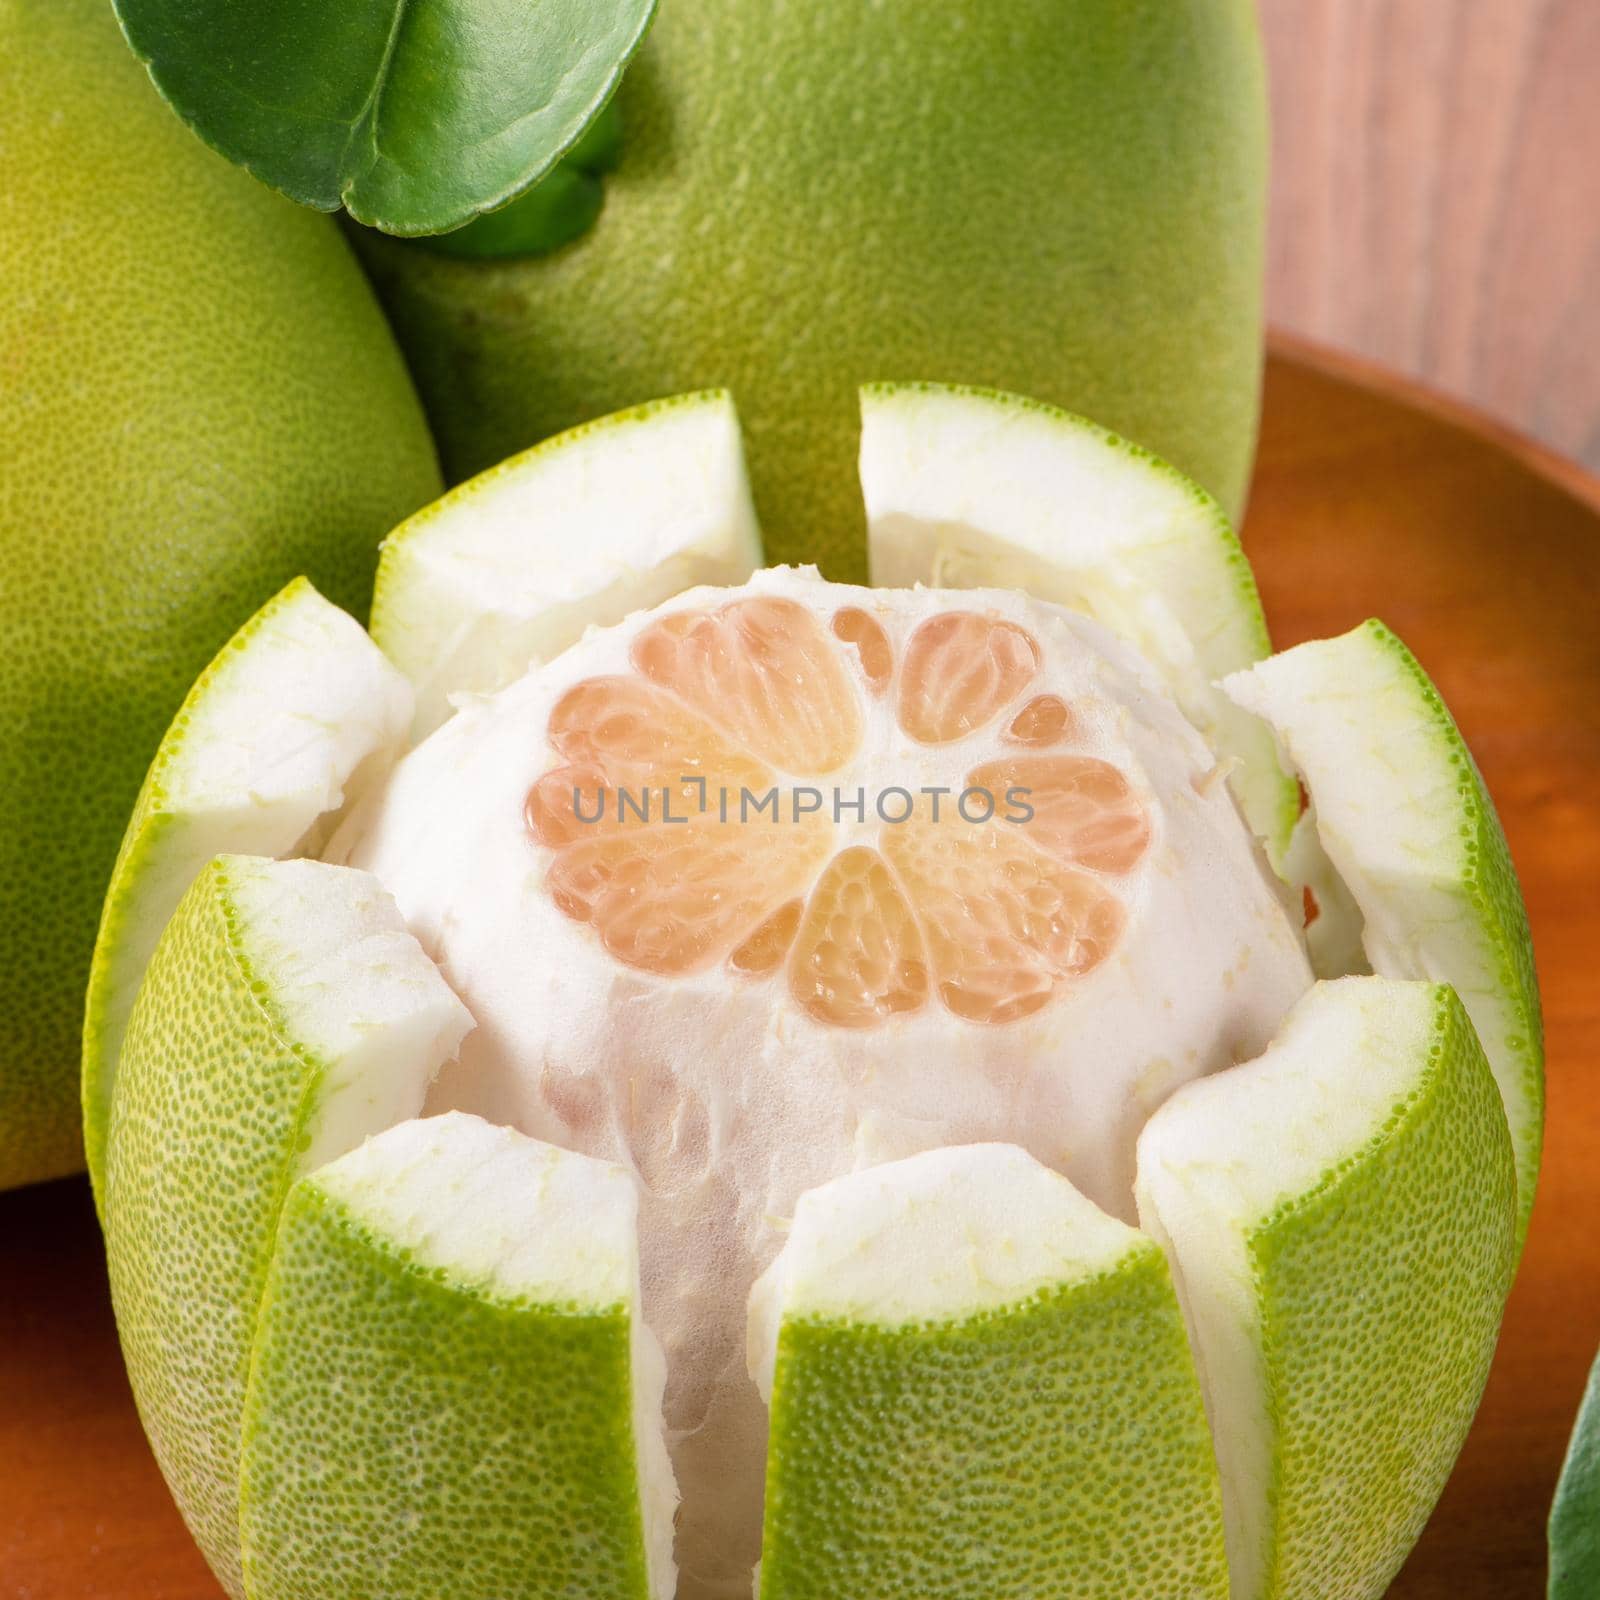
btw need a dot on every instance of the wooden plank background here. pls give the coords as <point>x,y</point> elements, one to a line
<point>1436,196</point>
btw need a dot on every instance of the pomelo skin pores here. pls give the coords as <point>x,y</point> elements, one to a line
<point>649,1066</point>
<point>199,400</point>
<point>1064,200</point>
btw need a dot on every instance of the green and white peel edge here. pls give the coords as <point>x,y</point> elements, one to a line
<point>297,714</point>
<point>500,1219</point>
<point>286,1004</point>
<point>514,565</point>
<point>1405,820</point>
<point>970,488</point>
<point>950,1233</point>
<point>1226,1168</point>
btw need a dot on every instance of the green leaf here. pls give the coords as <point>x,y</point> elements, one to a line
<point>555,211</point>
<point>1575,1516</point>
<point>415,115</point>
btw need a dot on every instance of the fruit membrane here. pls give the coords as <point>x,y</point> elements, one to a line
<point>891,1020</point>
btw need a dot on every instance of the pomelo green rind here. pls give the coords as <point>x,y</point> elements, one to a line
<point>451,1391</point>
<point>1403,815</point>
<point>298,708</point>
<point>1340,1216</point>
<point>200,400</point>
<point>510,568</point>
<point>1061,200</point>
<point>285,1015</point>
<point>1575,1514</point>
<point>970,488</point>
<point>979,1384</point>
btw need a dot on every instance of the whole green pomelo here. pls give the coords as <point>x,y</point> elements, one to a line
<point>199,399</point>
<point>1058,197</point>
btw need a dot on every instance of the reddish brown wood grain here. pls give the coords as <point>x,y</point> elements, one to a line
<point>1371,498</point>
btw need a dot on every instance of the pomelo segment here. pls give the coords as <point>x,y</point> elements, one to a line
<point>979,1385</point>
<point>452,1391</point>
<point>1404,817</point>
<point>765,668</point>
<point>968,488</point>
<point>608,518</point>
<point>1340,1216</point>
<point>285,1015</point>
<point>298,710</point>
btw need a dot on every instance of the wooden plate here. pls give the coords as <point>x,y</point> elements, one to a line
<point>1371,497</point>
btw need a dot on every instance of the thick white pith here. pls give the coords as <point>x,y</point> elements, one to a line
<point>510,568</point>
<point>935,1237</point>
<point>1224,1153</point>
<point>1389,774</point>
<point>351,987</point>
<point>297,715</point>
<point>968,490</point>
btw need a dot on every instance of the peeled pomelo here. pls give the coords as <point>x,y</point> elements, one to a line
<point>1340,1216</point>
<point>200,401</point>
<point>1405,820</point>
<point>1064,200</point>
<point>968,488</point>
<point>979,1384</point>
<point>299,707</point>
<point>510,568</point>
<point>690,877</point>
<point>285,1015</point>
<point>404,1270</point>
<point>744,1002</point>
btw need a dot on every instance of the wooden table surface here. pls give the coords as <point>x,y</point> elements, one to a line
<point>1436,199</point>
<point>1370,498</point>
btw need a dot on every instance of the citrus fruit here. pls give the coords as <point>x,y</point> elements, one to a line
<point>1064,200</point>
<point>721,882</point>
<point>1403,815</point>
<point>200,401</point>
<point>286,1014</point>
<point>1047,1436</point>
<point>911,939</point>
<point>402,1271</point>
<point>1340,1216</point>
<point>299,705</point>
<point>510,568</point>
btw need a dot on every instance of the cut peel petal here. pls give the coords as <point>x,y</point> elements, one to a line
<point>611,517</point>
<point>374,1459</point>
<point>286,1015</point>
<point>969,488</point>
<point>979,1383</point>
<point>1339,1216</point>
<point>298,712</point>
<point>1405,819</point>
